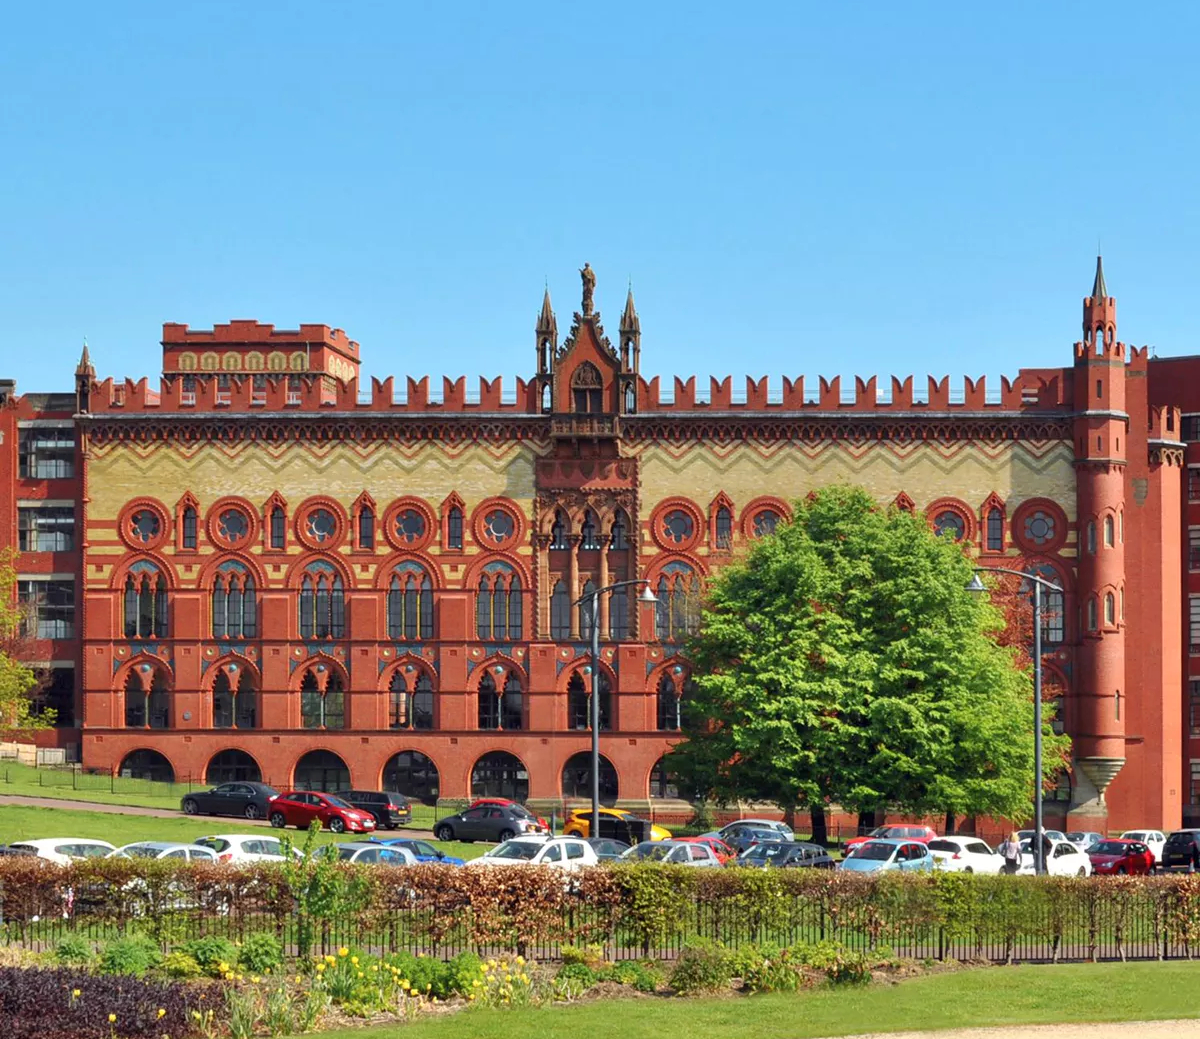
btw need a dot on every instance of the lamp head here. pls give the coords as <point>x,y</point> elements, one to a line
<point>647,596</point>
<point>975,584</point>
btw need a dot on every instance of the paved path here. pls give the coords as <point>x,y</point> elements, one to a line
<point>1105,1030</point>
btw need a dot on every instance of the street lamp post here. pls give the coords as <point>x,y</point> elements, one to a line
<point>976,585</point>
<point>593,598</point>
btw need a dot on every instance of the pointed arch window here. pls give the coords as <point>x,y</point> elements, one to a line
<point>234,603</point>
<point>1110,609</point>
<point>587,389</point>
<point>619,539</point>
<point>560,612</point>
<point>489,704</point>
<point>677,614</point>
<point>618,614</point>
<point>668,705</point>
<point>579,702</point>
<point>586,605</point>
<point>366,527</point>
<point>1092,618</point>
<point>558,531</point>
<point>235,706</point>
<point>724,525</point>
<point>189,527</point>
<point>322,603</point>
<point>1091,537</point>
<point>399,707</point>
<point>1108,532</point>
<point>147,703</point>
<point>499,613</point>
<point>322,699</point>
<point>454,529</point>
<point>410,603</point>
<point>278,523</point>
<point>145,602</point>
<point>995,530</point>
<point>1053,609</point>
<point>588,532</point>
<point>512,704</point>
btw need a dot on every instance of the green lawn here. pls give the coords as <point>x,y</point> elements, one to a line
<point>20,823</point>
<point>985,996</point>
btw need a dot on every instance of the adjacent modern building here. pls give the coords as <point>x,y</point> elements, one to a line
<point>261,565</point>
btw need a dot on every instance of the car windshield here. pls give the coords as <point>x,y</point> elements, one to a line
<point>1134,835</point>
<point>524,850</point>
<point>879,831</point>
<point>654,852</point>
<point>346,854</point>
<point>421,848</point>
<point>1108,848</point>
<point>1180,838</point>
<point>767,852</point>
<point>943,846</point>
<point>875,850</point>
<point>1077,835</point>
<point>337,802</point>
<point>142,852</point>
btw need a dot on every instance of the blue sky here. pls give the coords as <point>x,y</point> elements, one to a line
<point>793,189</point>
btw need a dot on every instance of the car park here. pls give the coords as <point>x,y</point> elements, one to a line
<point>389,808</point>
<point>243,847</point>
<point>883,854</point>
<point>1063,859</point>
<point>676,853</point>
<point>794,854</point>
<point>248,800</point>
<point>1084,839</point>
<point>486,822</point>
<point>1120,857</point>
<point>64,850</point>
<point>300,808</point>
<point>368,853</point>
<point>894,831</point>
<point>569,853</point>
<point>607,849</point>
<point>964,855</point>
<point>165,850</point>
<point>1182,850</point>
<point>1153,839</point>
<point>422,850</point>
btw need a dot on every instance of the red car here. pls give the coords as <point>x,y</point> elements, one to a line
<point>899,831</point>
<point>1121,857</point>
<point>301,807</point>
<point>720,849</point>
<point>504,802</point>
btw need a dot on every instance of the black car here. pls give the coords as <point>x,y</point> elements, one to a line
<point>607,849</point>
<point>739,838</point>
<point>486,823</point>
<point>785,853</point>
<point>249,800</point>
<point>1182,850</point>
<point>390,809</point>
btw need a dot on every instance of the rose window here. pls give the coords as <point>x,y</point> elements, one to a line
<point>498,525</point>
<point>232,525</point>
<point>765,523</point>
<point>951,523</point>
<point>678,526</point>
<point>410,526</point>
<point>1039,527</point>
<point>321,526</point>
<point>144,526</point>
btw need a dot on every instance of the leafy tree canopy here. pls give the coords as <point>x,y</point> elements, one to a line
<point>18,681</point>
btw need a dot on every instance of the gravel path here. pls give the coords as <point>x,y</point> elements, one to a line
<point>1104,1030</point>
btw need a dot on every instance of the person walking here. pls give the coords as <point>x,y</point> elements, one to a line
<point>1010,850</point>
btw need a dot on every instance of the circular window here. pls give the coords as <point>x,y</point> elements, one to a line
<point>765,523</point>
<point>949,522</point>
<point>144,526</point>
<point>678,526</point>
<point>498,525</point>
<point>321,526</point>
<point>232,525</point>
<point>1039,527</point>
<point>410,526</point>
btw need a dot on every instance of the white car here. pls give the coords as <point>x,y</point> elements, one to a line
<point>964,855</point>
<point>539,850</point>
<point>165,850</point>
<point>244,847</point>
<point>1063,860</point>
<point>1084,839</point>
<point>677,853</point>
<point>1153,839</point>
<point>367,853</point>
<point>63,850</point>
<point>1054,835</point>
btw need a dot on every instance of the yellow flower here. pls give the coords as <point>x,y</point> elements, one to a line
<point>374,967</point>
<point>112,1019</point>
<point>361,974</point>
<point>471,997</point>
<point>404,983</point>
<point>196,1014</point>
<point>223,968</point>
<point>521,960</point>
<point>343,951</point>
<point>320,967</point>
<point>76,993</point>
<point>476,983</point>
<point>255,979</point>
<point>354,960</point>
<point>161,1012</point>
<point>331,959</point>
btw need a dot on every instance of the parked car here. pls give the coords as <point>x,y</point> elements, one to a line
<point>1182,850</point>
<point>888,853</point>
<point>1153,839</point>
<point>578,823</point>
<point>487,822</point>
<point>723,851</point>
<point>539,850</point>
<point>1054,835</point>
<point>677,853</point>
<point>964,855</point>
<point>895,831</point>
<point>165,850</point>
<point>796,854</point>
<point>504,802</point>
<point>390,809</point>
<point>249,800</point>
<point>240,847</point>
<point>607,849</point>
<point>63,850</point>
<point>18,851</point>
<point>784,831</point>
<point>422,850</point>
<point>368,853</point>
<point>300,807</point>
<point>1121,856</point>
<point>747,836</point>
<point>1084,839</point>
<point>1064,859</point>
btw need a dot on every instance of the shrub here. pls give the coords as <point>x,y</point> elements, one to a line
<point>578,972</point>
<point>589,955</point>
<point>212,953</point>
<point>702,967</point>
<point>261,952</point>
<point>771,969</point>
<point>641,976</point>
<point>182,966</point>
<point>841,966</point>
<point>73,951</point>
<point>461,972</point>
<point>133,954</point>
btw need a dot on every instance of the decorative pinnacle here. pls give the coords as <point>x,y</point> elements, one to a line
<point>84,367</point>
<point>1099,289</point>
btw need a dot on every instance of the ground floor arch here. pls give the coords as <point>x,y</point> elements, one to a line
<point>232,766</point>
<point>500,774</point>
<point>577,779</point>
<point>321,770</point>
<point>147,764</point>
<point>414,775</point>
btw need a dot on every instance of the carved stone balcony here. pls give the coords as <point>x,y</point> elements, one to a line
<point>585,426</point>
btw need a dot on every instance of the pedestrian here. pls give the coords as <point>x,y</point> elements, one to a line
<point>1010,849</point>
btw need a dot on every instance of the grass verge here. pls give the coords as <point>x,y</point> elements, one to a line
<point>968,998</point>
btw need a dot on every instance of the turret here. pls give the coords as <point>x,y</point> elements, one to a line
<point>546,337</point>
<point>85,375</point>
<point>631,336</point>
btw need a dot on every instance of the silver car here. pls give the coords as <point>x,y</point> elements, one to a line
<point>677,853</point>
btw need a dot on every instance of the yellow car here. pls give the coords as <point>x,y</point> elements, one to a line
<point>579,823</point>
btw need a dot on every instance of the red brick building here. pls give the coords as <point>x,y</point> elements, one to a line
<point>261,566</point>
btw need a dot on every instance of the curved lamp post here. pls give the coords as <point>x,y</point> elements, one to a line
<point>976,585</point>
<point>593,598</point>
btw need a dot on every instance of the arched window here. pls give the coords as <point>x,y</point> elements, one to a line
<point>668,705</point>
<point>234,603</point>
<point>454,529</point>
<point>662,783</point>
<point>1108,532</point>
<point>1091,537</point>
<point>234,706</point>
<point>560,612</point>
<point>321,770</point>
<point>558,531</point>
<point>499,610</point>
<point>618,614</point>
<point>579,690</point>
<point>678,611</point>
<point>587,388</point>
<point>589,540</point>
<point>189,527</point>
<point>147,705</point>
<point>1092,621</point>
<point>619,538</point>
<point>577,778</point>
<point>410,604</point>
<point>724,527</point>
<point>1110,609</point>
<point>587,607</point>
<point>322,703</point>
<point>322,603</point>
<point>145,602</point>
<point>410,708</point>
<point>512,704</point>
<point>489,704</point>
<point>500,774</point>
<point>366,527</point>
<point>412,774</point>
<point>278,528</point>
<point>995,530</point>
<point>398,705</point>
<point>233,766</point>
<point>1053,611</point>
<point>949,522</point>
<point>422,702</point>
<point>147,764</point>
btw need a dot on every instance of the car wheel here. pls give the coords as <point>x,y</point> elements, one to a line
<point>1121,871</point>
<point>506,835</point>
<point>1082,872</point>
<point>278,820</point>
<point>968,869</point>
<point>337,824</point>
<point>444,833</point>
<point>190,807</point>
<point>252,811</point>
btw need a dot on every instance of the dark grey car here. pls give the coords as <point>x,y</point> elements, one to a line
<point>248,800</point>
<point>785,853</point>
<point>485,823</point>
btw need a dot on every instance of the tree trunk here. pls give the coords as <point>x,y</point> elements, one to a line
<point>820,831</point>
<point>949,830</point>
<point>866,823</point>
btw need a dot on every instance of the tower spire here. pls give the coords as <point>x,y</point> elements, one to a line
<point>1099,289</point>
<point>84,367</point>
<point>546,334</point>
<point>1099,314</point>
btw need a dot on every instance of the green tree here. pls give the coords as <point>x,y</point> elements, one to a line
<point>18,682</point>
<point>844,660</point>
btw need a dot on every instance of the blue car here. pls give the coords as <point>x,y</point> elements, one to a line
<point>423,850</point>
<point>880,854</point>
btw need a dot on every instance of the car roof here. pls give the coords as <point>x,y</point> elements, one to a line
<point>46,842</point>
<point>890,840</point>
<point>354,845</point>
<point>238,837</point>
<point>161,845</point>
